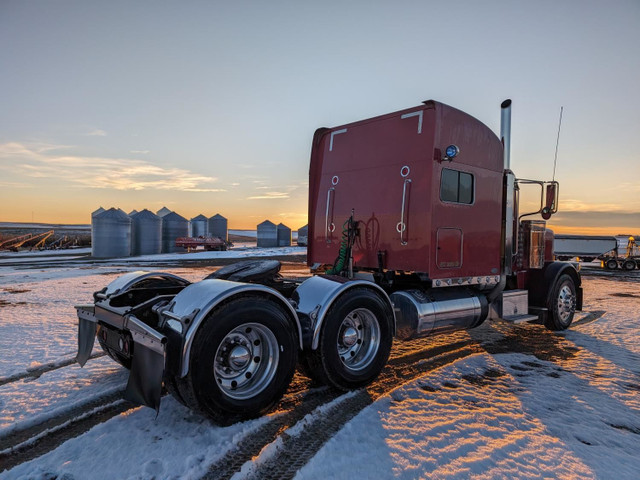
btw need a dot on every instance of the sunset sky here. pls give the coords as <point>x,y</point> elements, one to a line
<point>210,106</point>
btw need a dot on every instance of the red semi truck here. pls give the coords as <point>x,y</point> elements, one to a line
<point>414,230</point>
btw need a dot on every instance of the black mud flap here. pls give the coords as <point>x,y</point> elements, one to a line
<point>145,380</point>
<point>86,335</point>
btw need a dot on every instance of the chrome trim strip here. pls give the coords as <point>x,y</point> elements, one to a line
<point>488,280</point>
<point>415,114</point>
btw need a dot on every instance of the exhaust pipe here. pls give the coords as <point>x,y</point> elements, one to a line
<point>505,132</point>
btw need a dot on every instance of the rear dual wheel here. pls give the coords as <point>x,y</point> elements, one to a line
<point>242,360</point>
<point>355,341</point>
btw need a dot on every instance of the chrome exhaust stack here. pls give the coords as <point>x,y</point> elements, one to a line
<point>508,235</point>
<point>505,132</point>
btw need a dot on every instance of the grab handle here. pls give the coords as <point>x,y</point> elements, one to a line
<point>401,227</point>
<point>329,227</point>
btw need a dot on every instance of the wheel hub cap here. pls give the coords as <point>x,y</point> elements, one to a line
<point>566,303</point>
<point>246,361</point>
<point>239,356</point>
<point>349,337</point>
<point>358,339</point>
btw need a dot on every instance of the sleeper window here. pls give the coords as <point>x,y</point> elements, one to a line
<point>456,186</point>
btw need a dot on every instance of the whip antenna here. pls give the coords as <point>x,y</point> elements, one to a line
<point>555,159</point>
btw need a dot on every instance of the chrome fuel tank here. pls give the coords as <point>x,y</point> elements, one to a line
<point>420,313</point>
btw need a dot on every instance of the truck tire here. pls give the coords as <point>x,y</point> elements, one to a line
<point>629,265</point>
<point>611,264</point>
<point>242,360</point>
<point>561,303</point>
<point>355,341</point>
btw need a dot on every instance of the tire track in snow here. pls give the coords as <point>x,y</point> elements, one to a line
<point>34,373</point>
<point>23,445</point>
<point>296,451</point>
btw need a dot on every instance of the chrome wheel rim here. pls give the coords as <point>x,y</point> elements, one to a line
<point>358,339</point>
<point>566,303</point>
<point>246,361</point>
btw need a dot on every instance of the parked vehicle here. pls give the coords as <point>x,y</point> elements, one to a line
<point>208,243</point>
<point>414,230</point>
<point>629,261</point>
<point>583,247</point>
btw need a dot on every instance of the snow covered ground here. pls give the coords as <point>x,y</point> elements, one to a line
<point>505,411</point>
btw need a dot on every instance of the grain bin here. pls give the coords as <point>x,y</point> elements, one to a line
<point>146,233</point>
<point>199,226</point>
<point>284,235</point>
<point>133,212</point>
<point>163,211</point>
<point>267,234</point>
<point>303,235</point>
<point>218,227</point>
<point>111,234</point>
<point>97,212</point>
<point>173,226</point>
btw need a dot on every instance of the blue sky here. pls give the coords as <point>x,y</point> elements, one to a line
<point>211,106</point>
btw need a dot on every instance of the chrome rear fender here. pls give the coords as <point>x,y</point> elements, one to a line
<point>315,296</point>
<point>135,279</point>
<point>189,308</point>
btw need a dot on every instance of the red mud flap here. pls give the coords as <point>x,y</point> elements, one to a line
<point>147,367</point>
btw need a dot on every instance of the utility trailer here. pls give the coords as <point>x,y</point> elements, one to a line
<point>208,243</point>
<point>585,247</point>
<point>414,230</point>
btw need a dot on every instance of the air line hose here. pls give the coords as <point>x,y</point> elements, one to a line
<point>338,265</point>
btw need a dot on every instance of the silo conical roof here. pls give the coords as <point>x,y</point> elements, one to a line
<point>97,212</point>
<point>163,211</point>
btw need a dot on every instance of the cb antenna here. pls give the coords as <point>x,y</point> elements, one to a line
<point>555,159</point>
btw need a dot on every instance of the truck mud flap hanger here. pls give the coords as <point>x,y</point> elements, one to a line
<point>144,386</point>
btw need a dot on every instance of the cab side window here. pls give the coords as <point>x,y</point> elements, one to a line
<point>456,186</point>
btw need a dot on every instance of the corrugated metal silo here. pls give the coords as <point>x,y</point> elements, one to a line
<point>93,214</point>
<point>218,227</point>
<point>173,226</point>
<point>267,234</point>
<point>111,234</point>
<point>133,212</point>
<point>284,235</point>
<point>303,235</point>
<point>163,211</point>
<point>199,226</point>
<point>146,233</point>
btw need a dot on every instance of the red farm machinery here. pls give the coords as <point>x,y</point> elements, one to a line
<point>414,230</point>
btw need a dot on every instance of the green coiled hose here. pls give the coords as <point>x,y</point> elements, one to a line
<point>338,265</point>
<point>349,232</point>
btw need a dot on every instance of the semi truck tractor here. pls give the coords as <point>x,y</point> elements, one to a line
<point>414,230</point>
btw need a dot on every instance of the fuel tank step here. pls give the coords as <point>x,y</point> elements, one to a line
<point>520,318</point>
